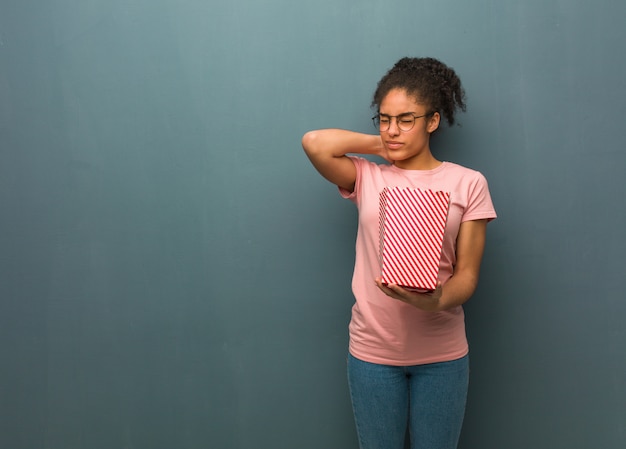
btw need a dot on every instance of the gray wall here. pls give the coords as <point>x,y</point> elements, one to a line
<point>174,274</point>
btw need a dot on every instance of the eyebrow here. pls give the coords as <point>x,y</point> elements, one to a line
<point>402,113</point>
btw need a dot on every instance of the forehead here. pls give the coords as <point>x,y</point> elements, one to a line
<point>398,101</point>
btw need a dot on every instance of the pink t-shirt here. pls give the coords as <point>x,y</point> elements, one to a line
<point>387,331</point>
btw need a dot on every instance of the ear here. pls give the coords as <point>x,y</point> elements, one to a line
<point>433,122</point>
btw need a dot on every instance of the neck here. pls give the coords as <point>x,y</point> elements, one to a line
<point>425,161</point>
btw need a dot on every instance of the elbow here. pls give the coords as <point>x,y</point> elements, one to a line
<point>309,142</point>
<point>470,285</point>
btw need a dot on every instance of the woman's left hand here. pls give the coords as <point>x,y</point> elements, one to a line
<point>428,301</point>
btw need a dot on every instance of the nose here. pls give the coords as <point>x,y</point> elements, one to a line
<point>394,129</point>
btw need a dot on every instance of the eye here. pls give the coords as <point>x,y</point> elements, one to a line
<point>407,118</point>
<point>384,120</point>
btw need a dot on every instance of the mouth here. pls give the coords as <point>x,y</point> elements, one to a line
<point>393,145</point>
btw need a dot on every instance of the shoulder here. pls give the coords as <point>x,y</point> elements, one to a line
<point>464,175</point>
<point>371,177</point>
<point>367,166</point>
<point>452,167</point>
<point>473,190</point>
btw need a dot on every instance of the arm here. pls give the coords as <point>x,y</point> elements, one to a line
<point>460,287</point>
<point>327,150</point>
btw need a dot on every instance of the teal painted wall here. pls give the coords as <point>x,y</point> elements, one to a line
<point>174,274</point>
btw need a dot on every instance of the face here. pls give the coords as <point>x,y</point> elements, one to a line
<point>408,149</point>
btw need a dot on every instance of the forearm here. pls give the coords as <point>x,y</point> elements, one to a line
<point>457,290</point>
<point>340,142</point>
<point>470,246</point>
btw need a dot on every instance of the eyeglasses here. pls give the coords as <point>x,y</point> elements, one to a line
<point>405,121</point>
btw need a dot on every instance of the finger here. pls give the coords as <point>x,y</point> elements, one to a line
<point>385,288</point>
<point>397,289</point>
<point>396,292</point>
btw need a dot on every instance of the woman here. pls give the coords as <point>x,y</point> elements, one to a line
<point>408,357</point>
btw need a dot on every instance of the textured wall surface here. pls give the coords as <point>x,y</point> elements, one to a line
<point>174,274</point>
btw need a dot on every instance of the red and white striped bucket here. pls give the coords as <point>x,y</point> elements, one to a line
<point>412,223</point>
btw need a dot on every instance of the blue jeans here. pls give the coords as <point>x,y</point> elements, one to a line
<point>429,399</point>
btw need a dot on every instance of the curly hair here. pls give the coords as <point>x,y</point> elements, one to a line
<point>430,81</point>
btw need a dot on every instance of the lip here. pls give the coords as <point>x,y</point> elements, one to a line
<point>393,145</point>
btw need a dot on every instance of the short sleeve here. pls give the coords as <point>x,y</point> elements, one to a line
<point>358,164</point>
<point>479,204</point>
